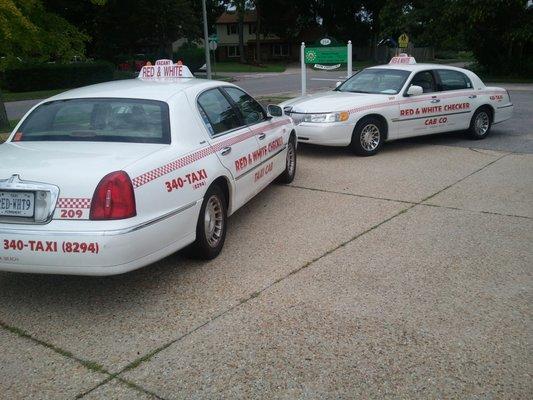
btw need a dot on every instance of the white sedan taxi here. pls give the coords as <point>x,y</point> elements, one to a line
<point>398,100</point>
<point>108,178</point>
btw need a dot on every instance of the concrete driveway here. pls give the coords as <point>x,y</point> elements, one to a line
<point>404,275</point>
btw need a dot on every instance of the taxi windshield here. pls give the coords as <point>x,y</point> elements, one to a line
<point>98,120</point>
<point>376,81</point>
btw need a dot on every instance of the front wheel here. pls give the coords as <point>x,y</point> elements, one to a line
<point>287,176</point>
<point>211,226</point>
<point>480,124</point>
<point>367,137</point>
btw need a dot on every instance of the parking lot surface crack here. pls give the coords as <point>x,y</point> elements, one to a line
<point>90,365</point>
<point>351,194</point>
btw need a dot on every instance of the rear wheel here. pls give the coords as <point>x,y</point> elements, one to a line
<point>480,124</point>
<point>211,226</point>
<point>287,176</point>
<point>368,136</point>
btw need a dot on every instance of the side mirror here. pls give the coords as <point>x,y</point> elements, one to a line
<point>338,84</point>
<point>274,111</point>
<point>415,90</point>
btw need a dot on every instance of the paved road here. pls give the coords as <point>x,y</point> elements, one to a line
<point>514,135</point>
<point>404,275</point>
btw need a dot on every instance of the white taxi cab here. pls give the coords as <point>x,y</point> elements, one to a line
<point>398,100</point>
<point>108,178</point>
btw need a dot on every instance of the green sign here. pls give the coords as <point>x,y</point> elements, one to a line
<point>213,38</point>
<point>326,55</point>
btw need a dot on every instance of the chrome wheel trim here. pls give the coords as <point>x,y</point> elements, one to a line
<point>213,221</point>
<point>291,158</point>
<point>370,137</point>
<point>481,124</point>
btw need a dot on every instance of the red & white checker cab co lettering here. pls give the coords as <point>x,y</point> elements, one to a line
<point>399,100</point>
<point>108,178</point>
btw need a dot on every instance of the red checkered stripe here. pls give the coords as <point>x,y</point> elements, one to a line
<point>73,202</point>
<point>202,153</point>
<point>420,99</point>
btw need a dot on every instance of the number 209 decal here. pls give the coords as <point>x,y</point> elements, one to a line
<point>71,214</point>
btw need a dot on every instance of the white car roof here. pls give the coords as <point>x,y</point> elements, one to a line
<point>418,67</point>
<point>138,89</point>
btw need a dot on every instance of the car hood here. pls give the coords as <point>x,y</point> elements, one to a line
<point>76,167</point>
<point>333,101</point>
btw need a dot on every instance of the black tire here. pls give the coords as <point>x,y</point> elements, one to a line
<point>206,247</point>
<point>368,137</point>
<point>287,176</point>
<point>480,124</point>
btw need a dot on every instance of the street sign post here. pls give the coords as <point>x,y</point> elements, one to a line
<point>206,40</point>
<point>403,41</point>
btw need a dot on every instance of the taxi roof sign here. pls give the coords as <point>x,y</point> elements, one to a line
<point>164,70</point>
<point>402,58</point>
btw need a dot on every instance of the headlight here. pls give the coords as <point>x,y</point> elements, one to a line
<point>327,117</point>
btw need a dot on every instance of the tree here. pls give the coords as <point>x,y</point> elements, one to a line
<point>258,5</point>
<point>240,9</point>
<point>28,30</point>
<point>4,123</point>
<point>121,28</point>
<point>499,33</point>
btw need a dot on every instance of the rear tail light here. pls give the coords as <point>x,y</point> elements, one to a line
<point>113,198</point>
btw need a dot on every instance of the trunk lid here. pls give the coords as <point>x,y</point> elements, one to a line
<point>75,168</point>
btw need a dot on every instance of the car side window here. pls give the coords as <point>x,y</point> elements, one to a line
<point>426,81</point>
<point>217,112</point>
<point>251,110</point>
<point>453,80</point>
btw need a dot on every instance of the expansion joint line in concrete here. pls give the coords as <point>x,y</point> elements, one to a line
<point>111,376</point>
<point>90,365</point>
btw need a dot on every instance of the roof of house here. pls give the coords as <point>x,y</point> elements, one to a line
<point>231,17</point>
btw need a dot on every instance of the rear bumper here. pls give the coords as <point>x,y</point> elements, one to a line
<point>99,253</point>
<point>503,113</point>
<point>335,134</point>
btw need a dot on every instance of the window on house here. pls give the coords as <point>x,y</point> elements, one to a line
<point>232,29</point>
<point>252,28</point>
<point>233,51</point>
<point>280,50</point>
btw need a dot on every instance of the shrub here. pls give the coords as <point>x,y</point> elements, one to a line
<point>29,77</point>
<point>191,56</point>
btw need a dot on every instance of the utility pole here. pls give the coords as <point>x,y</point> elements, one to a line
<point>206,42</point>
<point>4,123</point>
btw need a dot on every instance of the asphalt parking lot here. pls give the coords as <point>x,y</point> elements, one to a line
<point>404,275</point>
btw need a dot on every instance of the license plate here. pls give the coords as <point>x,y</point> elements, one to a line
<point>17,204</point>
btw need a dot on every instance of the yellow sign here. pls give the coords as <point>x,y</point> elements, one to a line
<point>403,40</point>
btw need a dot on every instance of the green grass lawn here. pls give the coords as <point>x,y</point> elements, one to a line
<point>238,67</point>
<point>38,94</point>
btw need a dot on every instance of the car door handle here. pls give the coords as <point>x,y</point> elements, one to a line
<point>262,136</point>
<point>435,101</point>
<point>225,151</point>
<point>472,96</point>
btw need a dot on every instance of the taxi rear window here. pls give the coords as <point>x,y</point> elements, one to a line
<point>98,120</point>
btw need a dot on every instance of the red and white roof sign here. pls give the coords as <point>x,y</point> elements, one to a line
<point>164,69</point>
<point>402,58</point>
